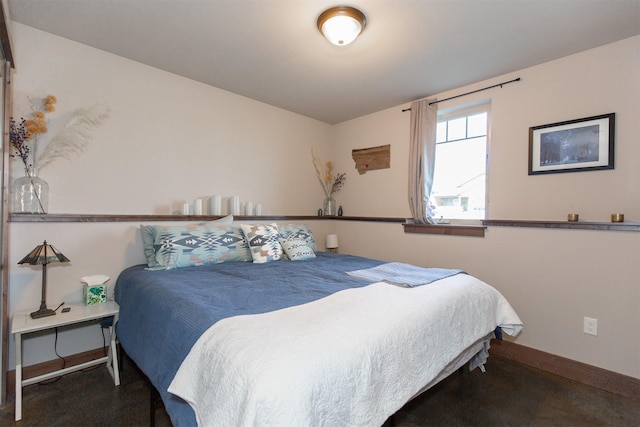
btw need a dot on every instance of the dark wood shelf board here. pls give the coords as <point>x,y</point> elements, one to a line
<point>370,219</point>
<point>445,229</point>
<point>146,218</point>
<point>156,218</point>
<point>610,226</point>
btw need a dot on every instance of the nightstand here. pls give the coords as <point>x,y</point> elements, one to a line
<point>23,324</point>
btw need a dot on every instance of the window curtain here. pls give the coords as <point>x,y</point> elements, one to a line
<point>422,157</point>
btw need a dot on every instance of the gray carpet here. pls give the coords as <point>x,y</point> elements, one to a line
<point>508,394</point>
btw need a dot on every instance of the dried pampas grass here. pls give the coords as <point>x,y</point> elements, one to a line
<point>75,135</point>
<point>321,172</point>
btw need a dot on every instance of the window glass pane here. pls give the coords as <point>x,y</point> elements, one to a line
<point>441,132</point>
<point>477,125</point>
<point>459,179</point>
<point>457,129</point>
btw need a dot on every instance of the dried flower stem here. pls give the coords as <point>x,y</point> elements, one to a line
<point>33,185</point>
<point>338,183</point>
<point>329,183</point>
<point>72,139</point>
<point>320,172</point>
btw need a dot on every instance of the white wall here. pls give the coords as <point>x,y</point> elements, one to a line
<point>170,140</point>
<point>595,82</point>
<point>553,278</point>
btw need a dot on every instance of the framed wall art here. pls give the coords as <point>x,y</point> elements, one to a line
<point>572,146</point>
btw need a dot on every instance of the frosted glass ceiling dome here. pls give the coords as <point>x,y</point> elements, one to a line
<point>341,25</point>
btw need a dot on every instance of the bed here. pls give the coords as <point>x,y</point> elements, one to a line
<point>298,342</point>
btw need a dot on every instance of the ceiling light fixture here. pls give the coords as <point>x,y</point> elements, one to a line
<point>341,24</point>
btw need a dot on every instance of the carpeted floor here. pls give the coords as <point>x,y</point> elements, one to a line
<point>508,394</point>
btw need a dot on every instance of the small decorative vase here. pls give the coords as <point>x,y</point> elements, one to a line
<point>330,206</point>
<point>30,193</point>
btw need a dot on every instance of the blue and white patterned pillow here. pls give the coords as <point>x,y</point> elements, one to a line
<point>263,242</point>
<point>148,239</point>
<point>148,233</point>
<point>198,244</point>
<point>297,249</point>
<point>298,231</point>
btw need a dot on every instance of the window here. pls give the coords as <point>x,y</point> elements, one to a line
<point>459,179</point>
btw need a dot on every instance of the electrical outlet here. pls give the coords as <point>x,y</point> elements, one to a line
<point>591,326</point>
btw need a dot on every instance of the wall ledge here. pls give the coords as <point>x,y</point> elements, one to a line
<point>446,229</point>
<point>443,229</point>
<point>148,218</point>
<point>14,217</point>
<point>607,226</point>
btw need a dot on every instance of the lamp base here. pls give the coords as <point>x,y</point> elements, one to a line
<point>43,312</point>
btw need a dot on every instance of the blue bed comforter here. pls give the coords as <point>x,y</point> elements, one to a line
<point>163,313</point>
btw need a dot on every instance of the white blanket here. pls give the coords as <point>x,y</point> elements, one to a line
<point>351,359</point>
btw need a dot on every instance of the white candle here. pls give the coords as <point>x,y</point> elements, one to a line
<point>258,209</point>
<point>248,208</point>
<point>197,207</point>
<point>186,208</point>
<point>216,205</point>
<point>234,205</point>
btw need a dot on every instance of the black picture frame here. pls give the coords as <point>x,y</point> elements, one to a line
<point>573,146</point>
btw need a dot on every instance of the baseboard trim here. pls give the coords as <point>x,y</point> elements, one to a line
<point>53,365</point>
<point>603,379</point>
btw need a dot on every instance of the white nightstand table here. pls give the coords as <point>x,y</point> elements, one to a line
<point>23,324</point>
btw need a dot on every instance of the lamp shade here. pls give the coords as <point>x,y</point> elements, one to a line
<point>341,25</point>
<point>43,254</point>
<point>332,241</point>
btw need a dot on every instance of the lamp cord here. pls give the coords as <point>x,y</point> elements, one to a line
<point>104,342</point>
<point>64,361</point>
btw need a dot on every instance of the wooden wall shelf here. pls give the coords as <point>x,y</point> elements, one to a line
<point>158,218</point>
<point>142,218</point>
<point>446,229</point>
<point>608,226</point>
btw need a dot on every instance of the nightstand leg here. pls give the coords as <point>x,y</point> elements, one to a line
<point>18,342</point>
<point>112,356</point>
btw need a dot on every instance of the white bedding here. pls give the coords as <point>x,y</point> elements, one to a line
<point>351,359</point>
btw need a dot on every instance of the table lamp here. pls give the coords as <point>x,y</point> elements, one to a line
<point>43,254</point>
<point>332,243</point>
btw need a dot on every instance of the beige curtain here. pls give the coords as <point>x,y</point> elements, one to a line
<point>422,156</point>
